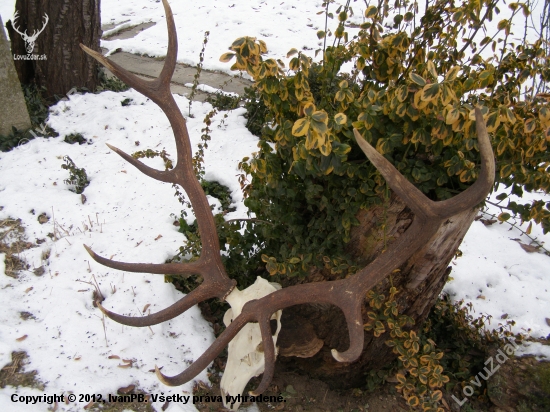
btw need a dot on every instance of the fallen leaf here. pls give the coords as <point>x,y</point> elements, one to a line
<point>123,171</point>
<point>488,222</point>
<point>481,297</point>
<point>125,366</point>
<point>126,390</point>
<point>158,237</point>
<point>165,406</point>
<point>114,357</point>
<point>146,307</point>
<point>77,358</point>
<point>529,248</point>
<point>89,405</point>
<point>548,321</point>
<point>505,316</point>
<point>22,338</point>
<point>29,289</point>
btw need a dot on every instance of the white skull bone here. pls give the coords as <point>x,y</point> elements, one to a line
<point>245,354</point>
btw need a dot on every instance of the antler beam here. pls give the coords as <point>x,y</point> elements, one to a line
<point>347,294</point>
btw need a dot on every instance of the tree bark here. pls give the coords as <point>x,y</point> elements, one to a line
<point>65,65</point>
<point>419,282</point>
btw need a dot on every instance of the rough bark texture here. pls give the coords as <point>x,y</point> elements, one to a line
<point>419,282</point>
<point>66,65</point>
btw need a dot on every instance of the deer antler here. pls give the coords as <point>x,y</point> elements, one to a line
<point>15,17</point>
<point>35,34</point>
<point>347,294</point>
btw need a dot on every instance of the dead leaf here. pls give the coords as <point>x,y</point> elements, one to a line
<point>22,338</point>
<point>146,307</point>
<point>126,390</point>
<point>158,237</point>
<point>548,321</point>
<point>83,290</point>
<point>77,358</point>
<point>123,171</point>
<point>481,297</point>
<point>114,357</point>
<point>125,366</point>
<point>505,316</point>
<point>165,406</point>
<point>29,289</point>
<point>529,248</point>
<point>89,405</point>
<point>488,222</point>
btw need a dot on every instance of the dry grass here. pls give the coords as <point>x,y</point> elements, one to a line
<point>12,243</point>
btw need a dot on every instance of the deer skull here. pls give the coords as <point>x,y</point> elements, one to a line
<point>246,357</point>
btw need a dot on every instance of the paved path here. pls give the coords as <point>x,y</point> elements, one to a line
<point>149,67</point>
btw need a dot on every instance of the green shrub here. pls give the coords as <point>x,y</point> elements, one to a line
<point>411,94</point>
<point>78,179</point>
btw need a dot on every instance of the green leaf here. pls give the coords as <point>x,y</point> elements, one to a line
<point>371,11</point>
<point>504,216</point>
<point>340,118</point>
<point>300,128</point>
<point>320,116</point>
<point>506,171</point>
<point>291,53</point>
<point>502,24</point>
<point>452,73</point>
<point>226,57</point>
<point>309,108</point>
<point>431,69</point>
<point>419,80</point>
<point>430,92</point>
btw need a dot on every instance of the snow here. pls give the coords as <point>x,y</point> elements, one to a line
<point>128,216</point>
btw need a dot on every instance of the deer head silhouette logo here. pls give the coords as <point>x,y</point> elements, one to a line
<point>29,40</point>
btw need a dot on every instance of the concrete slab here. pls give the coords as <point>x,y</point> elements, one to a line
<point>150,67</point>
<point>127,32</point>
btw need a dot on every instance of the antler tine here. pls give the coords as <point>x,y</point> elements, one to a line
<point>167,176</point>
<point>209,355</point>
<point>413,198</point>
<point>191,268</point>
<point>482,186</point>
<point>269,357</point>
<point>191,299</point>
<point>354,320</point>
<point>15,17</point>
<point>158,88</point>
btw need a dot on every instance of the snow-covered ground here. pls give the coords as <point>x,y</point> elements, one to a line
<point>127,216</point>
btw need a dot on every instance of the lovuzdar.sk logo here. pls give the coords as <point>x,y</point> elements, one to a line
<point>30,40</point>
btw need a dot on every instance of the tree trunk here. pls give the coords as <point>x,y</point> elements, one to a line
<point>56,60</point>
<point>419,282</point>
